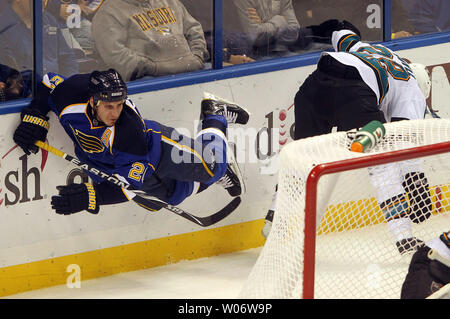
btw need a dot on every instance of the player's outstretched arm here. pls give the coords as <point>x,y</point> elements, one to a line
<point>76,198</point>
<point>34,123</point>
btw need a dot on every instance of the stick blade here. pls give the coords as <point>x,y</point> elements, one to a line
<point>224,212</point>
<point>152,204</point>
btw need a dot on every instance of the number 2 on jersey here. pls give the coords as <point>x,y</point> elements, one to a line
<point>137,171</point>
<point>386,61</point>
<point>381,61</point>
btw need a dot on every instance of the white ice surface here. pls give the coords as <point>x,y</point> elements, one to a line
<point>218,277</point>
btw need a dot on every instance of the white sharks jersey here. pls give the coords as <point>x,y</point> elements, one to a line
<point>388,75</point>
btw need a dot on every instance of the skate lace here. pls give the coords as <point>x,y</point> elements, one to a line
<point>230,115</point>
<point>225,181</point>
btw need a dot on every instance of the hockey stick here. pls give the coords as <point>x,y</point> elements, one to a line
<point>143,199</point>
<point>432,112</point>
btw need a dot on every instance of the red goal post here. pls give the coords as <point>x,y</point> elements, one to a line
<point>334,167</point>
<point>331,236</point>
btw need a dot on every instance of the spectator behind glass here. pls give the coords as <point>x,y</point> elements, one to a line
<point>271,26</point>
<point>13,84</point>
<point>142,38</point>
<point>76,16</point>
<point>16,40</point>
<point>235,43</point>
<point>366,15</point>
<point>428,16</point>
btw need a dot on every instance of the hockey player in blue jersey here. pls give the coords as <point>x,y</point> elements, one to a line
<point>110,134</point>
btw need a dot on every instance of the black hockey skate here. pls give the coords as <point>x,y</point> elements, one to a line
<point>213,105</point>
<point>232,180</point>
<point>269,217</point>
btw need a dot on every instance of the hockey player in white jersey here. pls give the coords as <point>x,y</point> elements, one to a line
<point>354,85</point>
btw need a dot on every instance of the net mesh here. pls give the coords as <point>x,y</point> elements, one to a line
<point>362,250</point>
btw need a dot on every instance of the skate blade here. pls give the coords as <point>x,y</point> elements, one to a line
<point>235,167</point>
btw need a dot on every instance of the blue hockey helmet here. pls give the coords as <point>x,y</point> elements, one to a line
<point>107,86</point>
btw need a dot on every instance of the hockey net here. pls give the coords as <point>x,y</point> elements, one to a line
<point>329,237</point>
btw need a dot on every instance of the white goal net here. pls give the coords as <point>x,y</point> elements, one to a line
<point>357,245</point>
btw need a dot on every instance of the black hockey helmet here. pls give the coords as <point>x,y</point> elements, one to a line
<point>107,86</point>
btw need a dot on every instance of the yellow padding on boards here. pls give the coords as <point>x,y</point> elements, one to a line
<point>366,212</point>
<point>130,257</point>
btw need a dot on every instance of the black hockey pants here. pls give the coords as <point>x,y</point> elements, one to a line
<point>334,95</point>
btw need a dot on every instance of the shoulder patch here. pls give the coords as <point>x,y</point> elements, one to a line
<point>52,80</point>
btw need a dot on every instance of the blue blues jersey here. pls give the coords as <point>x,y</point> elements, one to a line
<point>131,148</point>
<point>136,150</point>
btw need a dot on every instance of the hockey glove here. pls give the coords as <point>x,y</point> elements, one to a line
<point>323,31</point>
<point>424,276</point>
<point>345,25</point>
<point>74,198</point>
<point>416,186</point>
<point>34,126</point>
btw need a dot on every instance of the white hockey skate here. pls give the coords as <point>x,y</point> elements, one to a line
<point>232,180</point>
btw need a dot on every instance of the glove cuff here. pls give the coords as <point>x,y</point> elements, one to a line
<point>35,117</point>
<point>93,206</point>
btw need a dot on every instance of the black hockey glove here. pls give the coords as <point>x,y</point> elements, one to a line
<point>324,31</point>
<point>74,198</point>
<point>345,25</point>
<point>416,186</point>
<point>34,126</point>
<point>425,276</point>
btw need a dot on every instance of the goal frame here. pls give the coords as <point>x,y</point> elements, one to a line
<point>339,166</point>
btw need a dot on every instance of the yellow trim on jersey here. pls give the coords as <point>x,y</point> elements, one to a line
<point>63,112</point>
<point>190,150</point>
<point>127,193</point>
<point>150,129</point>
<point>153,167</point>
<point>112,139</point>
<point>89,119</point>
